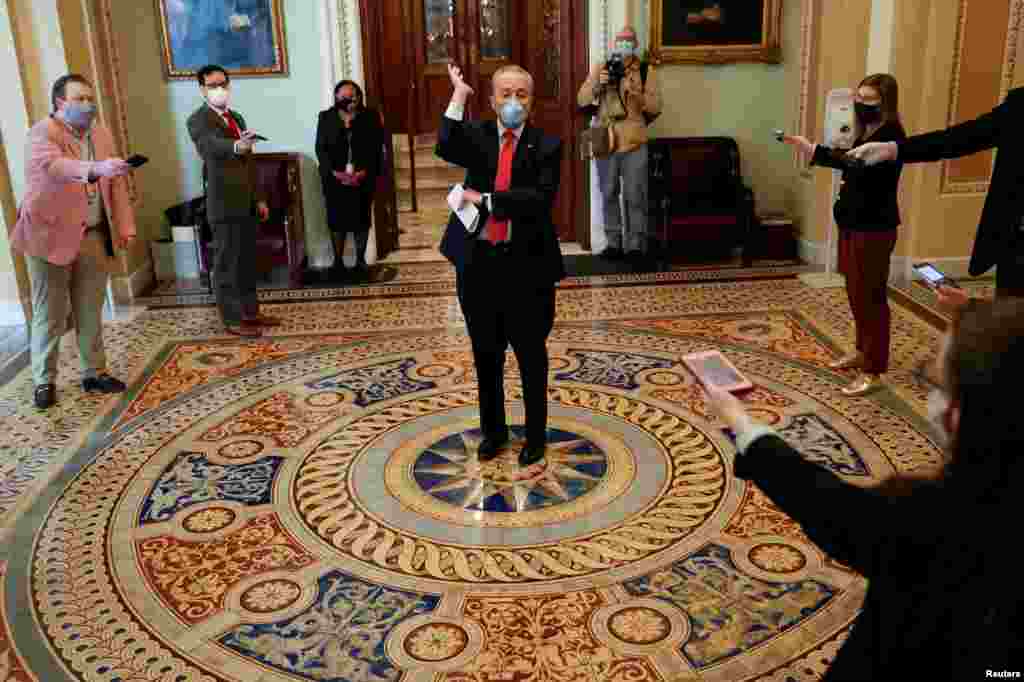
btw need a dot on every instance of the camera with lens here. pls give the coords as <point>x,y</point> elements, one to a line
<point>616,68</point>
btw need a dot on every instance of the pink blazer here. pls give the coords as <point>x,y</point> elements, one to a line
<point>52,214</point>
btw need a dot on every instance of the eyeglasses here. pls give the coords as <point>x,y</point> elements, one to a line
<point>221,84</point>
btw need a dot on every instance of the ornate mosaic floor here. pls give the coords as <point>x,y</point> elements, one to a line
<point>309,506</point>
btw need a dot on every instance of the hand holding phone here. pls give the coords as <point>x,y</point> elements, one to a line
<point>933,276</point>
<point>780,135</point>
<point>136,160</point>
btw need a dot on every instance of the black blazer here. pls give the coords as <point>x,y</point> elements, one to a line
<point>1004,205</point>
<point>940,596</point>
<point>528,203</point>
<point>867,197</point>
<point>367,146</point>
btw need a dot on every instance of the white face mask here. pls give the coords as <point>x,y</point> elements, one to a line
<point>938,405</point>
<point>625,48</point>
<point>218,97</point>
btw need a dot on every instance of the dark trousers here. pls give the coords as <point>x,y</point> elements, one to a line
<point>864,261</point>
<point>499,312</point>
<point>1010,271</point>
<point>349,209</point>
<point>234,270</point>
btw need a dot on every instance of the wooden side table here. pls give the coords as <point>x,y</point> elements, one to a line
<point>774,238</point>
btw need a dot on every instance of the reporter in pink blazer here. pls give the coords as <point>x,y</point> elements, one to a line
<point>75,212</point>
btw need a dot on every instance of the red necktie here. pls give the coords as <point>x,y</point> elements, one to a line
<point>497,230</point>
<point>232,126</point>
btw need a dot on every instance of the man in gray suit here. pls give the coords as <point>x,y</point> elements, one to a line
<point>225,146</point>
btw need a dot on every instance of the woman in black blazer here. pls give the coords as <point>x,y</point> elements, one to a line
<point>349,147</point>
<point>867,215</point>
<point>942,594</point>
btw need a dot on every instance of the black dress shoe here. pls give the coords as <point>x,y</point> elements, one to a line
<point>531,454</point>
<point>490,447</point>
<point>104,383</point>
<point>45,396</point>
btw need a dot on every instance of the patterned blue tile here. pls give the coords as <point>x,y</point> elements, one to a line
<point>191,479</point>
<point>730,612</point>
<point>375,383</point>
<point>605,368</point>
<point>818,442</point>
<point>340,638</point>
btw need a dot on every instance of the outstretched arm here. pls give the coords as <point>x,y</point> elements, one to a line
<point>452,143</point>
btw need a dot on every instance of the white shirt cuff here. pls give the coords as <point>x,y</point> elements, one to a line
<point>750,432</point>
<point>487,200</point>
<point>235,147</point>
<point>455,111</point>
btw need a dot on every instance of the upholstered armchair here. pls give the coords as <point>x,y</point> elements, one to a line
<point>698,201</point>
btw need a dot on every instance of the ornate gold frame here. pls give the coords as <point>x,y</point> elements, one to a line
<point>768,51</point>
<point>280,67</point>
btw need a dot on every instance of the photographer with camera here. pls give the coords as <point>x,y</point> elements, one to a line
<point>622,93</point>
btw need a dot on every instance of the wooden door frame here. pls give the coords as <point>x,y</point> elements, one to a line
<point>371,28</point>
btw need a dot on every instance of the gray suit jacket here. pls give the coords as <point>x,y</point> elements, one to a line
<point>231,187</point>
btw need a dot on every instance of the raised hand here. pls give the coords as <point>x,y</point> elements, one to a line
<point>875,152</point>
<point>461,86</point>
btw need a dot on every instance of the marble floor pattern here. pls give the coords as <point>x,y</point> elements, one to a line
<point>308,506</point>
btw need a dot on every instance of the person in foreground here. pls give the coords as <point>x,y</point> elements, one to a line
<point>76,211</point>
<point>506,268</point>
<point>867,215</point>
<point>1000,238</point>
<point>944,599</point>
<point>232,194</point>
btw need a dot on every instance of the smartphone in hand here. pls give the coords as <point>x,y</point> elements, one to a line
<point>934,277</point>
<point>780,135</point>
<point>136,160</point>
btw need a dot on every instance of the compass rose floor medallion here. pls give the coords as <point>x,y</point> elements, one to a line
<point>324,516</point>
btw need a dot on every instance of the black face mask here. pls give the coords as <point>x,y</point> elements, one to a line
<point>345,104</point>
<point>867,113</point>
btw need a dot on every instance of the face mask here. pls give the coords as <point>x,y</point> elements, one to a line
<point>512,113</point>
<point>867,113</point>
<point>218,97</point>
<point>625,49</point>
<point>79,115</point>
<point>344,104</point>
<point>938,405</point>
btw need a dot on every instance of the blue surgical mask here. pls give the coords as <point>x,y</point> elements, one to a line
<point>79,115</point>
<point>512,113</point>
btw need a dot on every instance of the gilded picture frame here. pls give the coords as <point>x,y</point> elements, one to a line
<point>246,37</point>
<point>715,31</point>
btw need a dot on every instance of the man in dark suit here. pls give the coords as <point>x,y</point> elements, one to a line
<point>232,193</point>
<point>506,268</point>
<point>1000,239</point>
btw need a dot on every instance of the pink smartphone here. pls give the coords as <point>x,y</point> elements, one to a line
<point>713,369</point>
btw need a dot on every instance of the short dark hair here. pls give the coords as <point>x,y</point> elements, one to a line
<point>355,86</point>
<point>202,73</point>
<point>60,87</point>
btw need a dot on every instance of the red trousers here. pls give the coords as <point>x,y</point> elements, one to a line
<point>864,261</point>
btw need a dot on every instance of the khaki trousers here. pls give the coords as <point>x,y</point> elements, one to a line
<point>78,288</point>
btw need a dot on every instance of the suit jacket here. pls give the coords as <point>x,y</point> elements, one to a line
<point>528,202</point>
<point>867,198</point>
<point>231,187</point>
<point>939,596</point>
<point>53,213</point>
<point>1004,205</point>
<point>332,147</point>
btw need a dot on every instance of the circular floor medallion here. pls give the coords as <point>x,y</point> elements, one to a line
<point>639,625</point>
<point>436,642</point>
<point>209,520</point>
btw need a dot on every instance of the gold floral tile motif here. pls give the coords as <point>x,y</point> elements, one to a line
<point>192,578</point>
<point>545,638</point>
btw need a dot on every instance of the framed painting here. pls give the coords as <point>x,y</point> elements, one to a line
<point>246,37</point>
<point>715,31</point>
